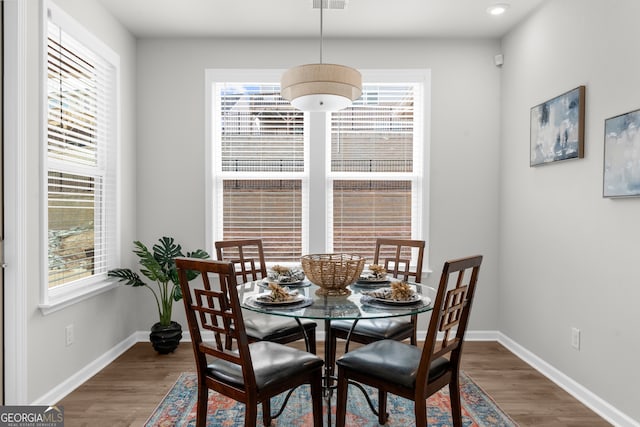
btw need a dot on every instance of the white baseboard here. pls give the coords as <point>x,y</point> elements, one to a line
<point>61,390</point>
<point>589,399</point>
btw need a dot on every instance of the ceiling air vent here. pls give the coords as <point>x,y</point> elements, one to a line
<point>330,4</point>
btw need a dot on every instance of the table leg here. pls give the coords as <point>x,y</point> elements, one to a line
<point>328,370</point>
<point>304,334</point>
<point>328,377</point>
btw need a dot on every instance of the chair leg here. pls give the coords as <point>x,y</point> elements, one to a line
<point>414,334</point>
<point>341,399</point>
<point>250,413</point>
<point>382,407</point>
<point>201,405</point>
<point>454,395</point>
<point>316,398</point>
<point>420,410</point>
<point>266,412</point>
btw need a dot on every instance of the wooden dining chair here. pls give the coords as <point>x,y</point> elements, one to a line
<point>412,372</point>
<point>395,255</point>
<point>250,373</point>
<point>247,256</point>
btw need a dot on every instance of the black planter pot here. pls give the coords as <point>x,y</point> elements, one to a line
<point>165,339</point>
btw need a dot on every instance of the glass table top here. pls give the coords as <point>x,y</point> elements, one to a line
<point>358,305</point>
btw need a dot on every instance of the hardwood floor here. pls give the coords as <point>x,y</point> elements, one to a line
<point>127,391</point>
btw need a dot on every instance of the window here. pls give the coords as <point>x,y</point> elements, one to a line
<point>278,176</point>
<point>376,167</point>
<point>260,168</point>
<point>80,153</point>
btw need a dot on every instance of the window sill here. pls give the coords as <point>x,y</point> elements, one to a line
<point>67,296</point>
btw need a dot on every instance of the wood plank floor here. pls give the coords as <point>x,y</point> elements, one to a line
<point>127,391</point>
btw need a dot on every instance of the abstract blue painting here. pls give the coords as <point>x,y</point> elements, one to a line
<point>557,128</point>
<point>622,155</point>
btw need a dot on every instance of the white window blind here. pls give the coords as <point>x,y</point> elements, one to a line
<point>376,164</point>
<point>261,171</point>
<point>80,153</point>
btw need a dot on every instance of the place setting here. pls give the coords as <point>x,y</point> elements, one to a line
<point>292,277</point>
<point>374,277</point>
<point>279,298</point>
<point>398,295</point>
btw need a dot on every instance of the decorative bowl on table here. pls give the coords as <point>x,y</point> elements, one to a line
<point>332,272</point>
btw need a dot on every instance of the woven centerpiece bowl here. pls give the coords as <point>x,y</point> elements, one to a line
<point>332,272</point>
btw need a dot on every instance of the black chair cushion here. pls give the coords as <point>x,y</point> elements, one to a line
<point>265,327</point>
<point>391,361</point>
<point>272,363</point>
<point>381,329</point>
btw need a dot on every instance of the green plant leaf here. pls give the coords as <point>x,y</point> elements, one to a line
<point>153,269</point>
<point>177,293</point>
<point>160,267</point>
<point>198,253</point>
<point>130,278</point>
<point>166,251</point>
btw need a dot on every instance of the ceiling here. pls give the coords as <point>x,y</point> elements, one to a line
<point>297,18</point>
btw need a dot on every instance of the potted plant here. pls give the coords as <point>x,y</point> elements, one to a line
<point>160,267</point>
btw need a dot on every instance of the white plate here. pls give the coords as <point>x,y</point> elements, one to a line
<point>412,300</point>
<point>373,279</point>
<point>264,300</point>
<point>265,283</point>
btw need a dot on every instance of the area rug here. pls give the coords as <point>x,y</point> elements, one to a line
<point>178,408</point>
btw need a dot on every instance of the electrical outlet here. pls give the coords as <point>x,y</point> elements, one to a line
<point>68,335</point>
<point>575,338</point>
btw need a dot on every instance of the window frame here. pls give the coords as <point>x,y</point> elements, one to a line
<point>61,296</point>
<point>416,177</point>
<point>318,147</point>
<point>214,199</point>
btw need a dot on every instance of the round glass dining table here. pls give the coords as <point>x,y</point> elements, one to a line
<point>358,305</point>
<point>307,304</point>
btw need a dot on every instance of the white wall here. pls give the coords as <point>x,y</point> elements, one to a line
<point>567,255</point>
<point>464,138</point>
<point>103,321</point>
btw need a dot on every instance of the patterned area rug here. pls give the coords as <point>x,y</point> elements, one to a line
<point>178,408</point>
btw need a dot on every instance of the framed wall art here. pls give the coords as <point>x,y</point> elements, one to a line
<point>621,175</point>
<point>557,128</point>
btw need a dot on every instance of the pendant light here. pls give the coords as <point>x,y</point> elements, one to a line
<point>321,87</point>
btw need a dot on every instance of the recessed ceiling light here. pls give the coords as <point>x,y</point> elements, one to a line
<point>497,9</point>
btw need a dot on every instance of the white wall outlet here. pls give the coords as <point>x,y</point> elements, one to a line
<point>68,335</point>
<point>575,338</point>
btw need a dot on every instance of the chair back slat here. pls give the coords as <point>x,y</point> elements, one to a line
<point>450,314</point>
<point>212,318</point>
<point>396,256</point>
<point>452,311</point>
<point>247,256</point>
<point>215,310</point>
<point>443,348</point>
<point>215,352</point>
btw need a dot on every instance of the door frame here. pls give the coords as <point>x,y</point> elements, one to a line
<point>15,142</point>
<point>2,324</point>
